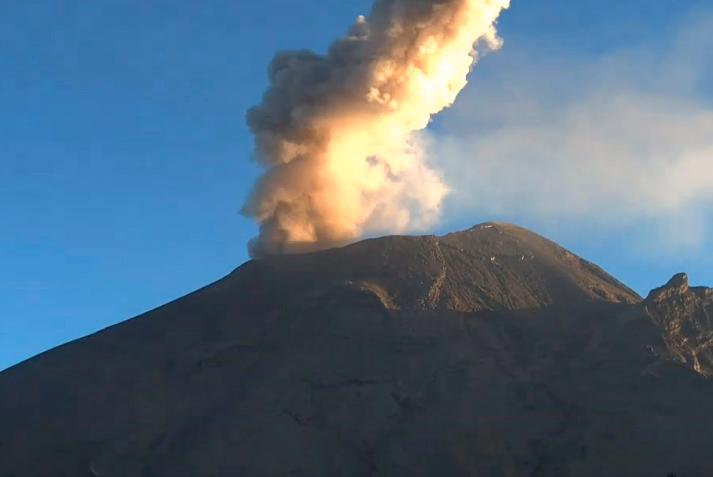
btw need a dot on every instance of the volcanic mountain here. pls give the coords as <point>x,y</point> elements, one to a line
<point>488,352</point>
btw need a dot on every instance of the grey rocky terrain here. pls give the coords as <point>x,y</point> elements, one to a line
<point>488,352</point>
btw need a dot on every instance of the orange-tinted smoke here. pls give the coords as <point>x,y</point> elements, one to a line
<point>336,132</point>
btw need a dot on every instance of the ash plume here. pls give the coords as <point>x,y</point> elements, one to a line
<point>336,132</point>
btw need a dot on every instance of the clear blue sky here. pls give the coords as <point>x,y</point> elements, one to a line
<point>124,158</point>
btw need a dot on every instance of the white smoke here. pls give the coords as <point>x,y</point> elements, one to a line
<point>336,133</point>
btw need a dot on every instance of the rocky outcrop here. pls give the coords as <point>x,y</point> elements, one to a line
<point>685,316</point>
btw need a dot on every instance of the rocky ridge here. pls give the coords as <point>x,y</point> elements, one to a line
<point>685,317</point>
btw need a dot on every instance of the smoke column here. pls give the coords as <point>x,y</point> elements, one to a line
<point>336,132</point>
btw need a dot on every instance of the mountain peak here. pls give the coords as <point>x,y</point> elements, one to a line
<point>491,266</point>
<point>676,286</point>
<point>679,282</point>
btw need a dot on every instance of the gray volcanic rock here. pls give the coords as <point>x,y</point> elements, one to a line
<point>685,316</point>
<point>488,352</point>
<point>488,267</point>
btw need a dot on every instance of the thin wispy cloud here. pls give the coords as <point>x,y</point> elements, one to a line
<point>621,138</point>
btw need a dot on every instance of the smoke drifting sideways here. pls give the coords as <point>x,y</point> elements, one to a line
<point>337,133</point>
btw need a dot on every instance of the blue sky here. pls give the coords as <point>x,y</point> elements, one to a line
<point>124,158</point>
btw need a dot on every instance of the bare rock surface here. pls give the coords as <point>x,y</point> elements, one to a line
<point>488,352</point>
<point>685,316</point>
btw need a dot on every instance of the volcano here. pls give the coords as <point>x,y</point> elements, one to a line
<point>487,352</point>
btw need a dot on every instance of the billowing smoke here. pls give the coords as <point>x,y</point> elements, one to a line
<point>336,133</point>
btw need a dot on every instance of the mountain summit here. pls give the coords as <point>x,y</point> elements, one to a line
<point>491,351</point>
<point>488,267</point>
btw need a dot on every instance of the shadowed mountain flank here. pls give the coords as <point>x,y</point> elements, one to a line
<point>491,351</point>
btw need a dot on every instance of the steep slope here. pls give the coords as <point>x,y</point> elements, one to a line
<point>489,352</point>
<point>685,316</point>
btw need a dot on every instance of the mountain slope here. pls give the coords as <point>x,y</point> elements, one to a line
<point>490,352</point>
<point>488,267</point>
